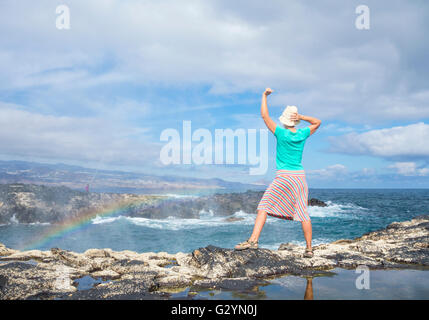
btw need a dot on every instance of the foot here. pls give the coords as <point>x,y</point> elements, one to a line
<point>308,253</point>
<point>248,244</point>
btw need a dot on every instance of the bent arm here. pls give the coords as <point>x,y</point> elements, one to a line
<point>314,122</point>
<point>264,112</point>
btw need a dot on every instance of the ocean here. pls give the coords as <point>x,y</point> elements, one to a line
<point>349,214</point>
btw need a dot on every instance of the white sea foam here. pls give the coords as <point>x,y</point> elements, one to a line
<point>334,210</point>
<point>37,223</point>
<point>14,220</point>
<point>206,214</point>
<point>172,223</point>
<point>246,217</point>
<point>100,220</point>
<point>209,218</point>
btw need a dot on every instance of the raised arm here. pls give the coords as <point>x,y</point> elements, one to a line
<point>264,111</point>
<point>314,122</point>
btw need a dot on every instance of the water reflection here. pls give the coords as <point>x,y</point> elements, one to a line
<point>308,295</point>
<point>337,284</point>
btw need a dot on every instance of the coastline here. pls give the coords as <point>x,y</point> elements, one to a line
<point>56,274</point>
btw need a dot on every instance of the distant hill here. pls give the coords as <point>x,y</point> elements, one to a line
<point>76,177</point>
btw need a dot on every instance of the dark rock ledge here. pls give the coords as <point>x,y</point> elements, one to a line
<point>129,275</point>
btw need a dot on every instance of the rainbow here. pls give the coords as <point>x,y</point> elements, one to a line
<point>82,221</point>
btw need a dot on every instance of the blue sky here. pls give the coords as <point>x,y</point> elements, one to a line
<point>101,93</point>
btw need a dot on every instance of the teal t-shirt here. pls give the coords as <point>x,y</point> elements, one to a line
<point>290,146</point>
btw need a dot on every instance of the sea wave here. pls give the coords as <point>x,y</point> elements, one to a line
<point>207,219</point>
<point>210,219</point>
<point>37,223</point>
<point>335,210</point>
<point>101,220</point>
<point>14,221</point>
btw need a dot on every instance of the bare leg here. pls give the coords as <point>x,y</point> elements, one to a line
<point>259,223</point>
<point>306,227</point>
<point>309,290</point>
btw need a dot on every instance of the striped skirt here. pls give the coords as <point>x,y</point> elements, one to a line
<point>287,196</point>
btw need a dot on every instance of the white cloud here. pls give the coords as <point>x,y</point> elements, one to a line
<point>339,174</point>
<point>34,135</point>
<point>409,169</point>
<point>311,54</point>
<point>330,128</point>
<point>91,87</point>
<point>337,171</point>
<point>402,142</point>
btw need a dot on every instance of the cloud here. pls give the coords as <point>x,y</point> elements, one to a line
<point>129,64</point>
<point>34,135</point>
<point>409,169</point>
<point>329,128</point>
<point>406,175</point>
<point>339,175</point>
<point>311,54</point>
<point>401,142</point>
<point>333,171</point>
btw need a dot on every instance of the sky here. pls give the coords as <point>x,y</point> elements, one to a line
<point>100,93</point>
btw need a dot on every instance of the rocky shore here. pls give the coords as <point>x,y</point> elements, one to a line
<point>30,203</point>
<point>56,274</point>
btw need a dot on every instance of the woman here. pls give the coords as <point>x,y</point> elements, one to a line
<point>287,195</point>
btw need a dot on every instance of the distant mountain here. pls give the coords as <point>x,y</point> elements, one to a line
<point>76,177</point>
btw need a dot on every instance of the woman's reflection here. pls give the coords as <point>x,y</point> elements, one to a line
<point>309,290</point>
